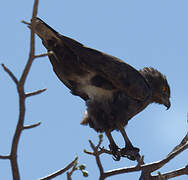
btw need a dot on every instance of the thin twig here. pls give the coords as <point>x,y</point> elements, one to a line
<point>32,46</point>
<point>97,158</point>
<point>172,174</point>
<point>5,157</point>
<point>103,150</point>
<point>24,22</point>
<point>157,165</point>
<point>183,142</point>
<point>69,174</point>
<point>35,92</point>
<point>32,126</point>
<point>43,55</point>
<point>13,77</point>
<point>61,171</point>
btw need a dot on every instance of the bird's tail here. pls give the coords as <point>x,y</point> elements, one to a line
<point>50,37</point>
<point>44,31</point>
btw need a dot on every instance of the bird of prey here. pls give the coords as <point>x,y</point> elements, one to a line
<point>113,90</point>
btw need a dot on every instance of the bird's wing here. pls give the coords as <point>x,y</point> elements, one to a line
<point>123,76</point>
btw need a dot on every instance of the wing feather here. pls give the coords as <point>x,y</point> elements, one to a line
<point>123,76</point>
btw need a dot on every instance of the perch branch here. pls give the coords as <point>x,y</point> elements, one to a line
<point>145,168</point>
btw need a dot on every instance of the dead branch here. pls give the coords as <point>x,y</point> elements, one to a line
<point>5,157</point>
<point>22,97</point>
<point>69,174</point>
<point>183,142</point>
<point>61,171</point>
<point>172,174</point>
<point>32,46</point>
<point>43,55</point>
<point>32,126</point>
<point>20,88</point>
<point>35,92</point>
<point>21,93</point>
<point>146,169</point>
<point>13,77</point>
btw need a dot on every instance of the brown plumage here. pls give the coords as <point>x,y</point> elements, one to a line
<point>114,91</point>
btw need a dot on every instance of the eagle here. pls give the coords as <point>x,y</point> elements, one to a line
<point>113,91</point>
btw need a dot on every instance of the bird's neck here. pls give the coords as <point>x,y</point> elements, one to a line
<point>151,82</point>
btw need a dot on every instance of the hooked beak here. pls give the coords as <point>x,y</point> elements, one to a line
<point>167,103</point>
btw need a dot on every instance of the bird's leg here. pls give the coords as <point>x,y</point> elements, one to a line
<point>129,151</point>
<point>113,147</point>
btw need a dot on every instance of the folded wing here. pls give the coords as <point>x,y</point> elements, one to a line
<point>122,76</point>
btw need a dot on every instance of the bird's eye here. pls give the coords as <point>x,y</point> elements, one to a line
<point>164,89</point>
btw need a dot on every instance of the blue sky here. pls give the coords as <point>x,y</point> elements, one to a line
<point>142,33</point>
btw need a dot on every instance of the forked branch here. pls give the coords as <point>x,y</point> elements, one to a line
<point>61,171</point>
<point>146,169</point>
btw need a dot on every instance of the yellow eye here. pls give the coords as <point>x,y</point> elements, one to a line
<point>163,89</point>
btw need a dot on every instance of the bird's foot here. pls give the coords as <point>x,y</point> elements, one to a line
<point>115,152</point>
<point>130,152</point>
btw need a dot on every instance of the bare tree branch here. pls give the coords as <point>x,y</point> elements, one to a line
<point>172,174</point>
<point>24,22</point>
<point>69,174</point>
<point>146,169</point>
<point>43,55</point>
<point>97,153</point>
<point>157,165</point>
<point>95,149</point>
<point>13,77</point>
<point>32,126</point>
<point>183,142</point>
<point>20,88</point>
<point>32,46</point>
<point>35,92</point>
<point>5,157</point>
<point>61,171</point>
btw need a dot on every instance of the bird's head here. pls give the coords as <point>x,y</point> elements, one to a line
<point>159,85</point>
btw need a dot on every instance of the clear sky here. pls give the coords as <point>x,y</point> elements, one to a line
<point>142,33</point>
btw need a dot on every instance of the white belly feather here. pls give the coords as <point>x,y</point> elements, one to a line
<point>97,93</point>
<point>92,91</point>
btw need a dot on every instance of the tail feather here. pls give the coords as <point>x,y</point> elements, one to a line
<point>44,31</point>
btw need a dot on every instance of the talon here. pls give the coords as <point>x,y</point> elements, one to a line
<point>130,152</point>
<point>115,152</point>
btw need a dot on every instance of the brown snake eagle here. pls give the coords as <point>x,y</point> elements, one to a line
<point>113,91</point>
